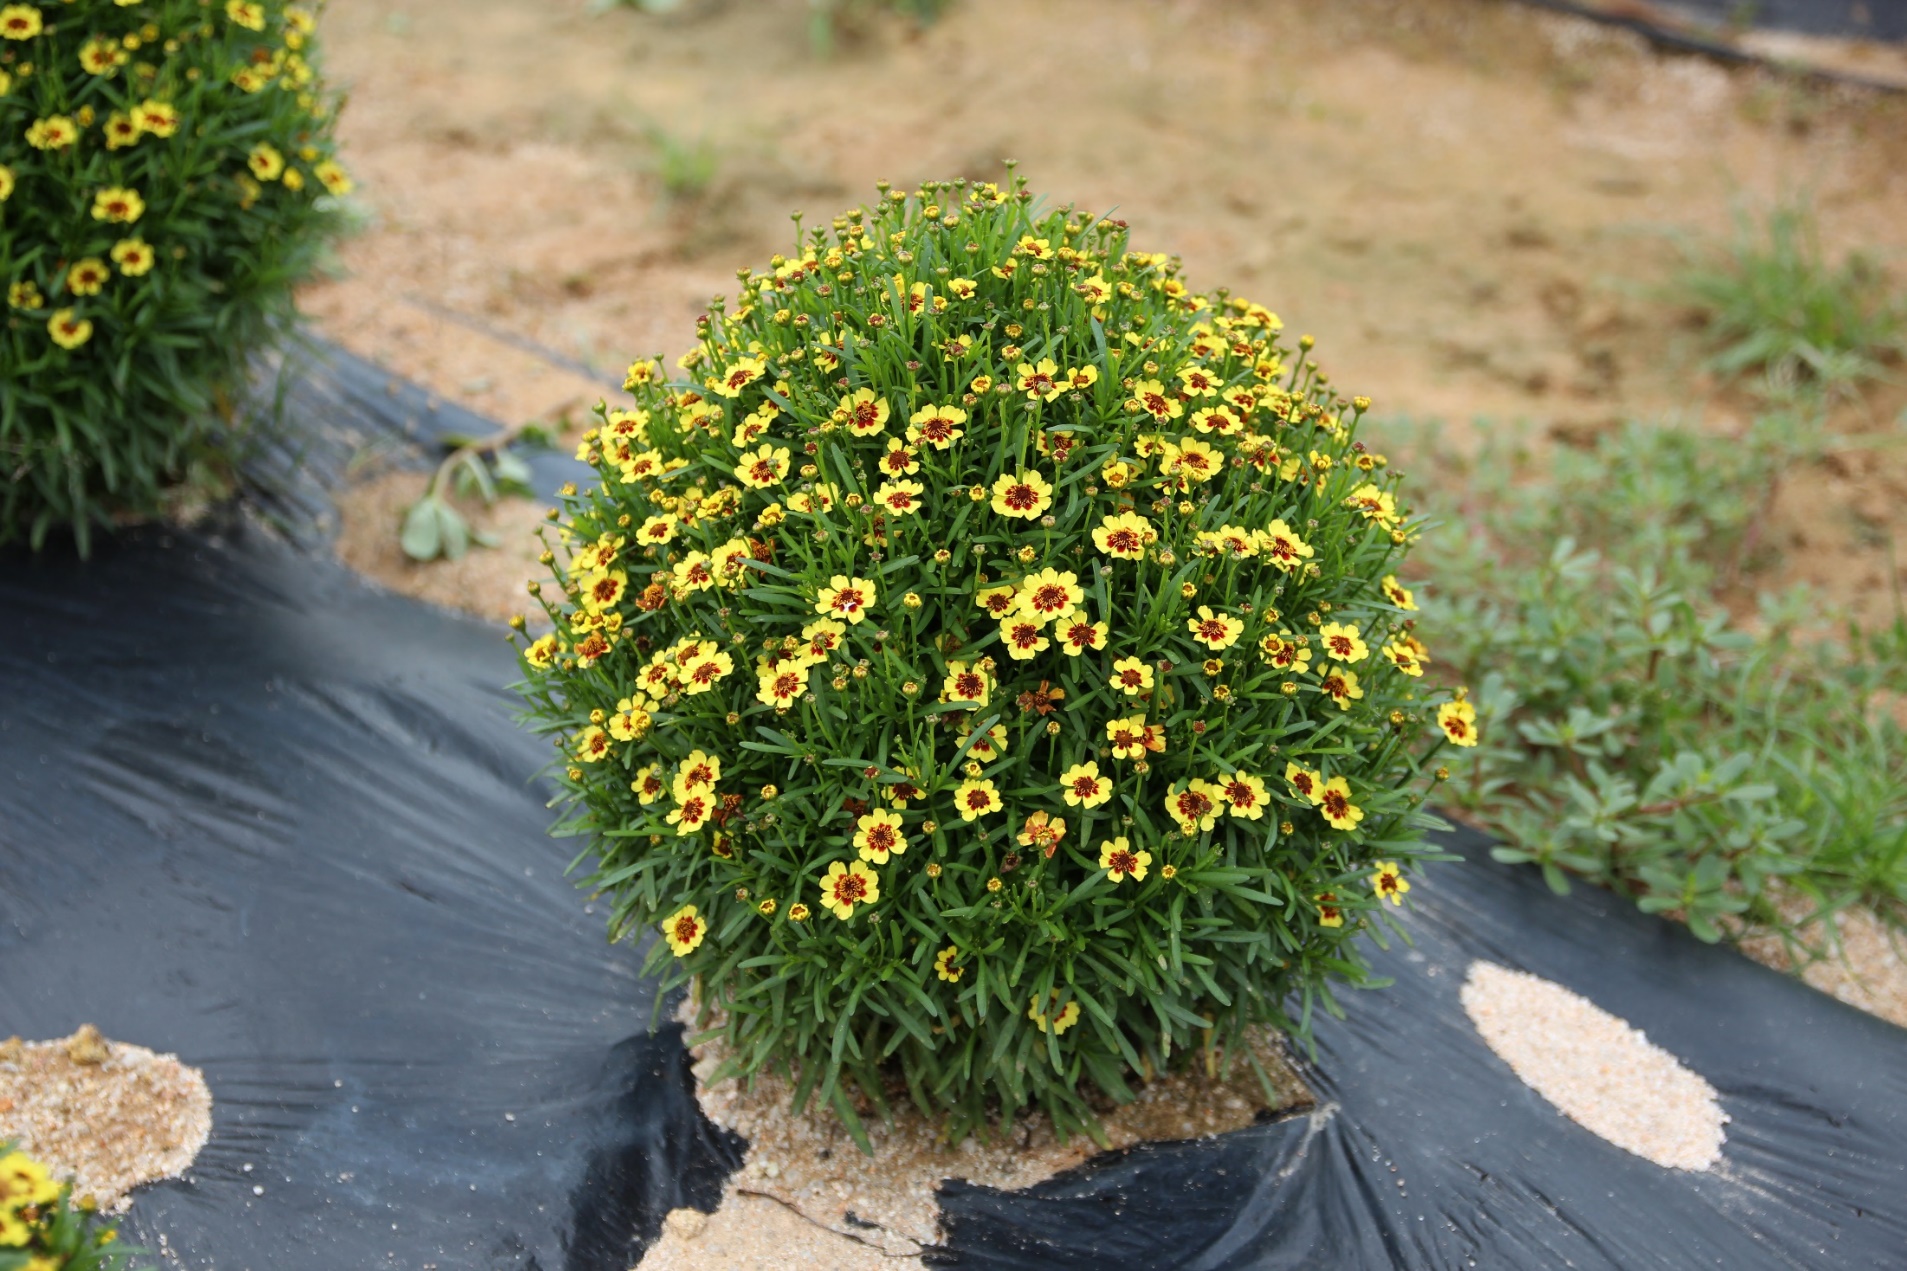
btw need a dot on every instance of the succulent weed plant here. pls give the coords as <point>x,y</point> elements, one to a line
<point>986,662</point>
<point>166,176</point>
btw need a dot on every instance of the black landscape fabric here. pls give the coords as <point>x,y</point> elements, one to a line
<point>258,813</point>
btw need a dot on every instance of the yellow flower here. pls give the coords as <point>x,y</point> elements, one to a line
<point>1078,634</point>
<point>1084,787</point>
<point>1340,685</point>
<point>1197,806</point>
<point>1192,459</point>
<point>823,636</point>
<point>965,684</point>
<point>1040,381</point>
<point>69,331</point>
<point>603,589</point>
<point>998,601</point>
<point>1131,677</point>
<point>1334,801</point>
<point>1329,914</point>
<point>1156,401</point>
<point>640,373</point>
<point>1232,540</point>
<point>1374,503</point>
<point>962,288</point>
<point>246,13</point>
<point>1389,882</point>
<point>55,132</point>
<point>101,57</point>
<point>648,785</point>
<point>1282,650</point>
<point>266,163</point>
<point>1021,636</point>
<point>88,276</point>
<point>879,833</point>
<point>782,684</point>
<point>697,774</point>
<point>1043,831</point>
<point>1281,546</point>
<point>1306,782</point>
<point>694,572</point>
<point>1459,722</point>
<point>7,183</point>
<point>24,1181</point>
<point>900,498</point>
<point>119,205</point>
<point>1120,862</point>
<point>976,798</point>
<point>25,295</point>
<point>1024,494</point>
<point>1065,1020</point>
<point>1245,794</point>
<point>765,467</point>
<point>1124,535</point>
<point>740,375</point>
<point>1404,658</point>
<point>863,412</point>
<point>1081,378</point>
<point>333,178</point>
<point>846,886</point>
<point>1342,641</point>
<point>1398,594</point>
<point>946,966</point>
<point>159,118</point>
<point>1049,595</point>
<point>133,257</point>
<point>692,814</point>
<point>1214,630</point>
<point>1132,737</point>
<point>846,598</point>
<point>121,130</point>
<point>684,930</point>
<point>19,22</point>
<point>657,530</point>
<point>705,673</point>
<point>1196,381</point>
<point>1222,420</point>
<point>900,460</point>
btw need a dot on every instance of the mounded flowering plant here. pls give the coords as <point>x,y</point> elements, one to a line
<point>986,663</point>
<point>166,176</point>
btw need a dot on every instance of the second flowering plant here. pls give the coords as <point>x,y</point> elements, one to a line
<point>986,663</point>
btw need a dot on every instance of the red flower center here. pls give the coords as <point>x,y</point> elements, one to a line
<point>1123,863</point>
<point>968,686</point>
<point>850,889</point>
<point>695,810</point>
<point>1021,498</point>
<point>1051,598</point>
<point>1122,541</point>
<point>880,839</point>
<point>1335,804</point>
<point>686,928</point>
<point>1241,795</point>
<point>1194,806</point>
<point>1085,787</point>
<point>866,415</point>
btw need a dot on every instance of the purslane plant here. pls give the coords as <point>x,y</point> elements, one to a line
<point>987,664</point>
<point>166,176</point>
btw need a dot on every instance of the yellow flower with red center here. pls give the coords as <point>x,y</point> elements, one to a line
<point>19,22</point>
<point>648,785</point>
<point>782,684</point>
<point>824,636</point>
<point>88,276</point>
<point>1081,378</point>
<point>1124,535</point>
<point>161,119</point>
<point>990,746</point>
<point>121,130</point>
<point>1375,504</point>
<point>333,178</point>
<point>1043,831</point>
<point>643,466</point>
<point>1193,460</point>
<point>864,413</point>
<point>1024,494</point>
<point>133,256</point>
<point>1077,634</point>
<point>1222,420</point>
<point>1458,720</point>
<point>847,599</point>
<point>101,57</point>
<point>1245,794</point>
<point>1308,783</point>
<point>265,161</point>
<point>1230,540</point>
<point>705,673</point>
<point>845,886</point>
<point>1404,658</point>
<point>694,572</point>
<point>975,798</point>
<point>965,683</point>
<point>7,183</point>
<point>1334,801</point>
<point>1197,806</point>
<point>740,374</point>
<point>68,330</point>
<point>603,590</point>
<point>684,930</point>
<point>246,13</point>
<point>55,132</point>
<point>657,530</point>
<point>1282,650</point>
<point>1340,685</point>
<point>798,912</point>
<point>1132,737</point>
<point>1022,637</point>
<point>1343,642</point>
<point>998,601</point>
<point>1041,381</point>
<point>877,834</point>
<point>1280,545</point>
<point>1084,787</point>
<point>1389,882</point>
<point>936,426</point>
<point>963,288</point>
<point>1131,677</point>
<point>1049,595</point>
<point>542,651</point>
<point>592,745</point>
<point>25,1182</point>
<point>900,460</point>
<point>1036,248</point>
<point>1060,1023</point>
<point>1156,401</point>
<point>1095,290</point>
<point>1398,594</point>
<point>763,468</point>
<point>692,814</point>
<point>947,964</point>
<point>1214,630</point>
<point>900,498</point>
<point>1196,381</point>
<point>1329,912</point>
<point>1120,862</point>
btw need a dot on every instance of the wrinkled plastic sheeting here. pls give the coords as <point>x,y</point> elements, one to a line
<point>1426,1151</point>
<point>258,814</point>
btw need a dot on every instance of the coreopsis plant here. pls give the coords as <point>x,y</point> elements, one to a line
<point>42,1229</point>
<point>986,662</point>
<point>166,176</point>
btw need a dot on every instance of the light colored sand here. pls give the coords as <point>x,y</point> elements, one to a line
<point>1597,1070</point>
<point>107,1115</point>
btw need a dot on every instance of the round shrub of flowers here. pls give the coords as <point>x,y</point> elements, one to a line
<point>166,176</point>
<point>986,663</point>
